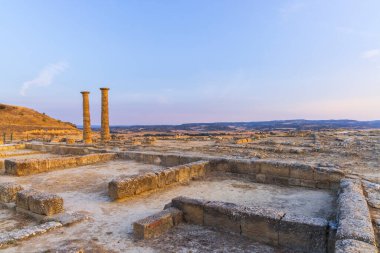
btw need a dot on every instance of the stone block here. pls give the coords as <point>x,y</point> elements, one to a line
<point>146,182</point>
<point>8,192</point>
<point>356,229</point>
<point>183,173</point>
<point>329,174</point>
<point>223,216</point>
<point>219,165</point>
<point>192,209</point>
<point>170,176</point>
<point>261,225</point>
<point>122,187</point>
<point>303,233</point>
<point>197,169</point>
<point>243,166</point>
<point>274,168</point>
<point>157,224</point>
<point>354,246</point>
<point>22,198</point>
<point>354,221</point>
<point>45,204</point>
<point>301,171</point>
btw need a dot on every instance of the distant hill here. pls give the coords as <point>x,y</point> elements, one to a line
<point>20,119</point>
<point>299,124</point>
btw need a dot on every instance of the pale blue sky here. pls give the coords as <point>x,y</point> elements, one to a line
<point>178,61</point>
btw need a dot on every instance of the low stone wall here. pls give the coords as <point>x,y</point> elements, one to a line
<point>276,172</point>
<point>34,166</point>
<point>269,226</point>
<point>8,192</point>
<point>128,186</point>
<point>354,221</point>
<point>11,147</point>
<point>166,160</point>
<point>39,202</point>
<point>157,224</point>
<point>62,149</point>
<point>261,171</point>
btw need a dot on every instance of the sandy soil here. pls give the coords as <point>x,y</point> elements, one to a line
<point>10,220</point>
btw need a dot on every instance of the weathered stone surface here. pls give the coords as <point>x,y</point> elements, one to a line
<point>301,171</point>
<point>243,166</point>
<point>261,224</point>
<point>354,220</point>
<point>157,224</point>
<point>192,209</point>
<point>274,168</point>
<point>45,204</point>
<point>197,169</point>
<point>353,246</point>
<point>328,174</point>
<point>22,198</point>
<point>34,166</point>
<point>303,233</point>
<point>9,238</point>
<point>8,192</point>
<point>373,193</point>
<point>128,186</point>
<point>222,215</point>
<point>183,173</point>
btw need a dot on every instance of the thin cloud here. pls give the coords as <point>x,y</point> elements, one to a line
<point>45,77</point>
<point>370,54</point>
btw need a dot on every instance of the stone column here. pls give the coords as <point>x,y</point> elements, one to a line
<point>105,117</point>
<point>86,118</point>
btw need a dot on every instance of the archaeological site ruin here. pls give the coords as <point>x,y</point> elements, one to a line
<point>186,191</point>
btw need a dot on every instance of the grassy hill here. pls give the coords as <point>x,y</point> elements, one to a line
<point>19,119</point>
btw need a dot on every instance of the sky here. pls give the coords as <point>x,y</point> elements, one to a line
<point>181,61</point>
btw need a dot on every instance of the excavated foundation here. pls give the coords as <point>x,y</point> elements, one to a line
<point>269,205</point>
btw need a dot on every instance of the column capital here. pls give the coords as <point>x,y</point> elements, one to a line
<point>85,92</point>
<point>104,88</point>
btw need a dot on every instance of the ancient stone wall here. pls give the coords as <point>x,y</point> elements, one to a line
<point>157,224</point>
<point>63,150</point>
<point>277,172</point>
<point>128,186</point>
<point>34,166</point>
<point>261,171</point>
<point>355,231</point>
<point>273,227</point>
<point>159,158</point>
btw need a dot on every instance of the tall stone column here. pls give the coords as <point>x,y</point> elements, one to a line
<point>105,117</point>
<point>86,118</point>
